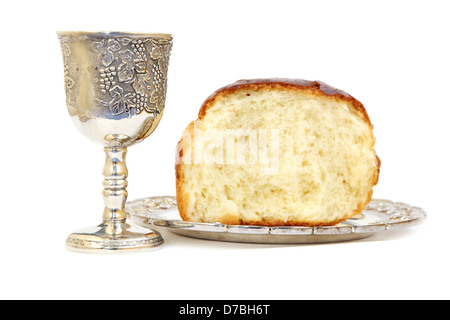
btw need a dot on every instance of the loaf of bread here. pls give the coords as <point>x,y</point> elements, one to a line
<point>276,152</point>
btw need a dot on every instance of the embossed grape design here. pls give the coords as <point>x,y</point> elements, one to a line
<point>130,75</point>
<point>138,47</point>
<point>107,78</point>
<point>157,78</point>
<point>141,102</point>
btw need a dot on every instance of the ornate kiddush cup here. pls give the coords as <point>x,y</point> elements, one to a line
<point>115,92</point>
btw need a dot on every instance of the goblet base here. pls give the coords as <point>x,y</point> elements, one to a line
<point>128,238</point>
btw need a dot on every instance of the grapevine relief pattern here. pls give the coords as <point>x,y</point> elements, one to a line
<point>130,74</point>
<point>69,64</point>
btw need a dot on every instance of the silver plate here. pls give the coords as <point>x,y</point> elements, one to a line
<point>379,215</point>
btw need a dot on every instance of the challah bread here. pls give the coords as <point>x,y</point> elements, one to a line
<point>276,152</point>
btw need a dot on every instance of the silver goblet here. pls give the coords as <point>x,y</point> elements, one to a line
<point>115,87</point>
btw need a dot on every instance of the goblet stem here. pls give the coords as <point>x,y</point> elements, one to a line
<point>114,234</point>
<point>115,193</point>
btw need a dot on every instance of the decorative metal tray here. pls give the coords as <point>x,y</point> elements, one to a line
<point>379,215</point>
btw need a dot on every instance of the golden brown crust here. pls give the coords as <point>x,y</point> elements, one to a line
<point>315,88</point>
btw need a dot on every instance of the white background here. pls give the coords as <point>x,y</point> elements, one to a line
<point>393,56</point>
